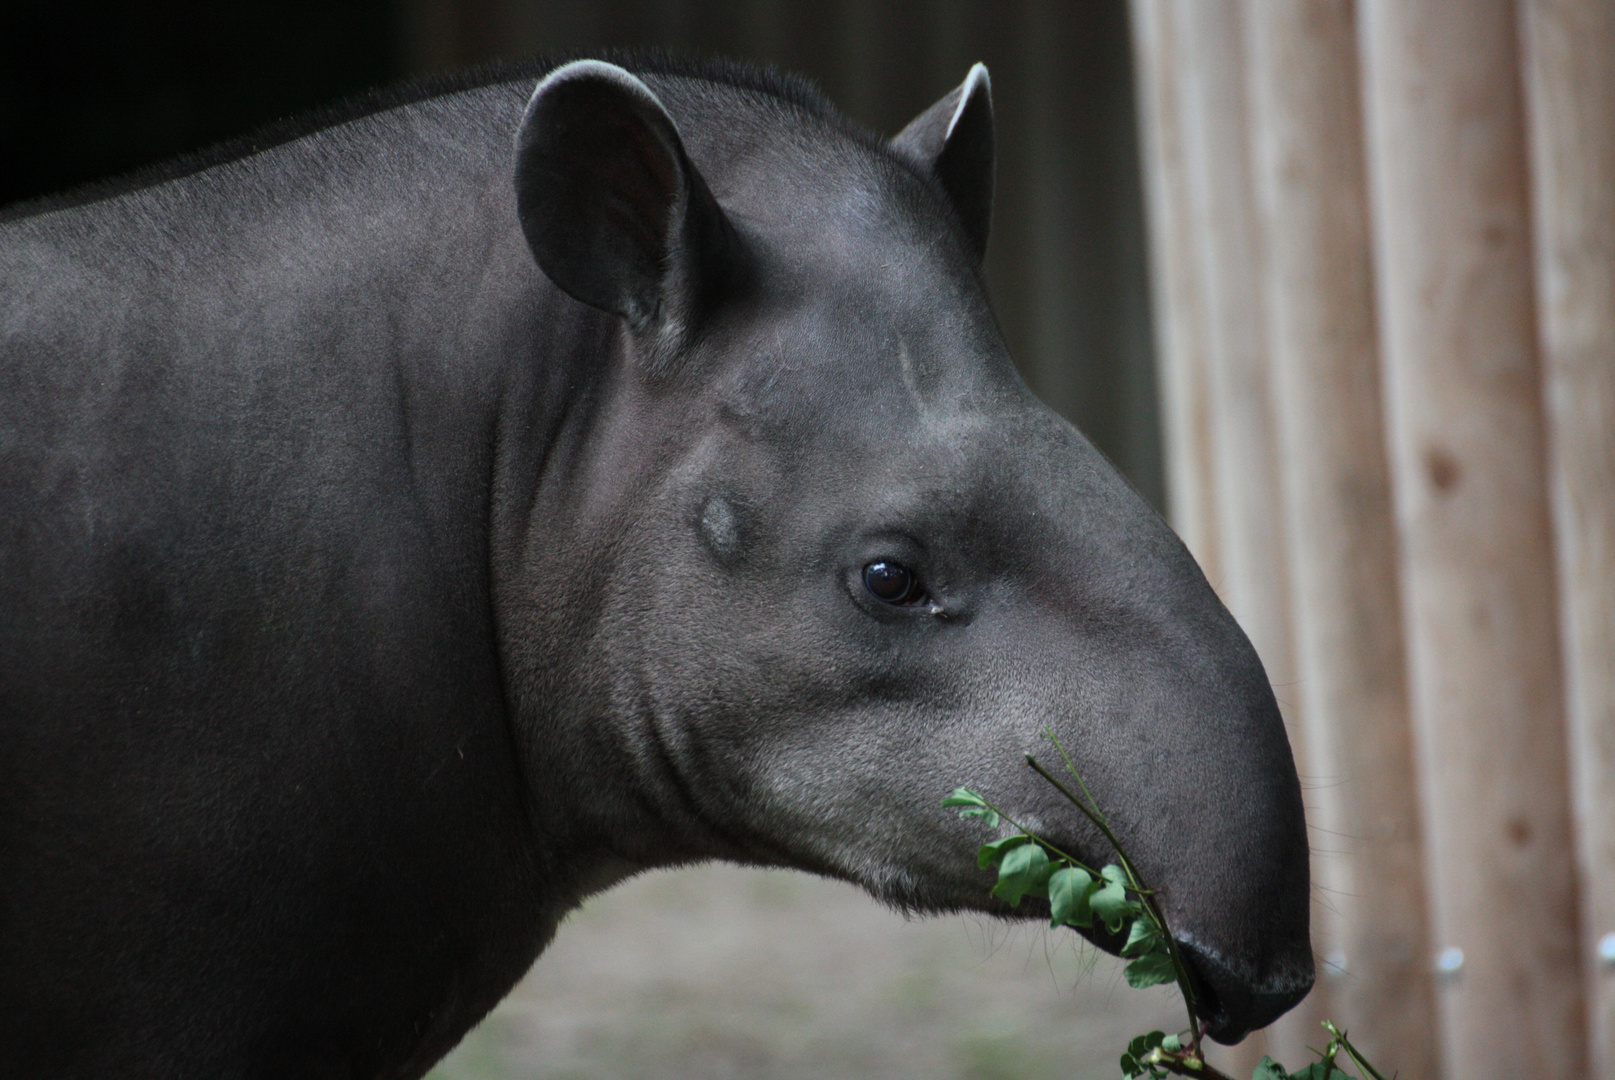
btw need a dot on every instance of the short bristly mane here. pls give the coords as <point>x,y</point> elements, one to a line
<point>793,89</point>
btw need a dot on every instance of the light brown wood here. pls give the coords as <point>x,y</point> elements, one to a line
<point>1449,190</point>
<point>1570,91</point>
<point>1178,299</point>
<point>1368,856</point>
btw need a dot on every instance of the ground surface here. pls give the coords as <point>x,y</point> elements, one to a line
<point>720,973</point>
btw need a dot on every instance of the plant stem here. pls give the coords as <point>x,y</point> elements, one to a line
<point>1093,815</point>
<point>1181,1066</point>
<point>1179,968</point>
<point>1072,859</point>
<point>1345,1043</point>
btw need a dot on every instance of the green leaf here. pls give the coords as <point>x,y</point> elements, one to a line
<point>1141,1046</point>
<point>1110,903</point>
<point>1025,869</point>
<point>1269,1069</point>
<point>988,854</point>
<point>1069,889</point>
<point>1141,938</point>
<point>1318,1070</point>
<point>1171,1044</point>
<point>974,806</point>
<point>1151,969</point>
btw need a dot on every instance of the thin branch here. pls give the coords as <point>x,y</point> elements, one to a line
<point>1362,1062</point>
<point>1179,969</point>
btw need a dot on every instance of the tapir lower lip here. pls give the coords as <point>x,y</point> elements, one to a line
<point>1216,989</point>
<point>1231,1006</point>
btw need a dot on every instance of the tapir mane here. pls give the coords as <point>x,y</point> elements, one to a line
<point>794,91</point>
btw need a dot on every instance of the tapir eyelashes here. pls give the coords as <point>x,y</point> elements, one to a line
<point>893,583</point>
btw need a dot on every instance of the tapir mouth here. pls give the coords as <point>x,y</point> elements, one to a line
<point>1232,1006</point>
<point>1229,1005</point>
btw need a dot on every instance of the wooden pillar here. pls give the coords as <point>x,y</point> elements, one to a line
<point>1449,191</point>
<point>1368,861</point>
<point>1193,65</point>
<point>1178,295</point>
<point>1570,91</point>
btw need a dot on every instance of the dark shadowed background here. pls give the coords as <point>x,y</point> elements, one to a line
<point>93,88</point>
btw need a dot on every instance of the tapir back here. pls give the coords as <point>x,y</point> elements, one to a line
<point>252,731</point>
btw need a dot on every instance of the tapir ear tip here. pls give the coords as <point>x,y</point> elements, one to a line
<point>978,80</point>
<point>975,92</point>
<point>599,71</point>
<point>953,141</point>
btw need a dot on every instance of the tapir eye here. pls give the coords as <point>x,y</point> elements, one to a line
<point>892,583</point>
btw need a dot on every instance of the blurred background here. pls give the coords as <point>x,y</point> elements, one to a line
<point>1333,283</point>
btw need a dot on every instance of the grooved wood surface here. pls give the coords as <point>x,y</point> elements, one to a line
<point>1570,94</point>
<point>1450,195</point>
<point>1322,340</point>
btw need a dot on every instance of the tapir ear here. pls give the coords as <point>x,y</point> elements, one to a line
<point>954,140</point>
<point>611,206</point>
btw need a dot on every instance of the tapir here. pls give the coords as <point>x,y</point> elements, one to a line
<point>417,520</point>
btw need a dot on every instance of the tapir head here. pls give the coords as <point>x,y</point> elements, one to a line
<point>806,553</point>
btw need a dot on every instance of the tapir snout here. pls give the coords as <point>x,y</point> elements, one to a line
<point>1164,709</point>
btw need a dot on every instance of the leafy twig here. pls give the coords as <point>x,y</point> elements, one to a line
<point>1152,907</point>
<point>1029,865</point>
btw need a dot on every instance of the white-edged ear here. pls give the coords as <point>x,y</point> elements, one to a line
<point>953,139</point>
<point>611,206</point>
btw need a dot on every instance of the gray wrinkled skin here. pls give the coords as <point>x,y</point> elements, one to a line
<point>370,601</point>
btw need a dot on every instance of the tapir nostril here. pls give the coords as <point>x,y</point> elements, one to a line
<point>1232,1006</point>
